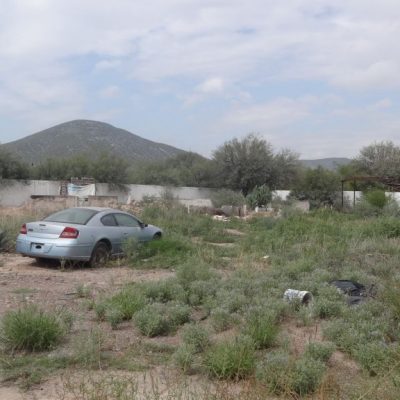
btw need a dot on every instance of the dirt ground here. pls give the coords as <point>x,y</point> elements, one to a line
<point>24,281</point>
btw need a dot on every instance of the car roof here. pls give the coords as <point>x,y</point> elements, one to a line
<point>97,208</point>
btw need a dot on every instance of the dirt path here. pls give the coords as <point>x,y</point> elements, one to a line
<point>24,280</point>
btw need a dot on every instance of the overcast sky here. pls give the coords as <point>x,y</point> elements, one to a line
<point>319,77</point>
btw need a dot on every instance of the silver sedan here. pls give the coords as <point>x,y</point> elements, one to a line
<point>91,234</point>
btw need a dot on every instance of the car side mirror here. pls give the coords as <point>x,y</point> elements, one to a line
<point>143,225</point>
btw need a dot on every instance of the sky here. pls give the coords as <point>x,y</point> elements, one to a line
<point>318,77</point>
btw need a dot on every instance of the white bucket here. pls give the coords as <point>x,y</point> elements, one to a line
<point>302,295</point>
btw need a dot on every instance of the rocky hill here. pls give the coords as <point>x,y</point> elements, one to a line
<point>89,137</point>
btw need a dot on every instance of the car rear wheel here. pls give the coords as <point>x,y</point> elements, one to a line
<point>100,255</point>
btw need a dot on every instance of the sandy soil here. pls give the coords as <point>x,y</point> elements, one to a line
<point>24,281</point>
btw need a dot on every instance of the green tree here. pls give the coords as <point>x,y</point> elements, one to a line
<point>320,186</point>
<point>186,169</point>
<point>286,169</point>
<point>110,169</point>
<point>244,164</point>
<point>11,167</point>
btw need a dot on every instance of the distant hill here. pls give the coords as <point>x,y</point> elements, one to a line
<point>89,137</point>
<point>328,163</point>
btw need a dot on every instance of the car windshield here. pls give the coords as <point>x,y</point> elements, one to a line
<point>80,216</point>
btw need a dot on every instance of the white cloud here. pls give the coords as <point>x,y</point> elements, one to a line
<point>270,115</point>
<point>110,92</point>
<point>212,85</point>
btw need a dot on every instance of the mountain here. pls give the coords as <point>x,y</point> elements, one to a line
<point>328,163</point>
<point>91,138</point>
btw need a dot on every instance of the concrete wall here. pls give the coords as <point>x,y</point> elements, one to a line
<point>15,193</point>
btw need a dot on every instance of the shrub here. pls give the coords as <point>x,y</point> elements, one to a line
<point>374,357</point>
<point>127,301</point>
<point>275,371</point>
<point>326,308</point>
<point>31,329</point>
<point>259,196</point>
<point>200,291</point>
<point>193,270</point>
<point>166,252</point>
<point>321,351</point>
<point>262,327</point>
<point>100,310</point>
<point>231,360</point>
<point>377,198</point>
<point>164,291</point>
<point>196,336</point>
<point>307,375</point>
<point>114,316</point>
<point>161,319</point>
<point>221,320</point>
<point>151,321</point>
<point>184,356</point>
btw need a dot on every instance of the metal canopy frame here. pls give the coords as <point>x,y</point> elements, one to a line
<point>390,181</point>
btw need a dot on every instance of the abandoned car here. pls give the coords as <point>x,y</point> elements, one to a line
<point>90,234</point>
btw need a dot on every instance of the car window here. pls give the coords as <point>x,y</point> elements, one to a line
<point>79,216</point>
<point>109,220</point>
<point>126,220</point>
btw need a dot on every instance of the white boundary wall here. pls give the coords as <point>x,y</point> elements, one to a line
<point>15,193</point>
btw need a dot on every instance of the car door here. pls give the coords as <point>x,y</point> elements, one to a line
<point>129,227</point>
<point>113,232</point>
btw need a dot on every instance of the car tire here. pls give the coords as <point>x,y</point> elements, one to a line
<point>100,255</point>
<point>157,236</point>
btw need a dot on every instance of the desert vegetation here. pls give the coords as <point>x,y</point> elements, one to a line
<point>220,318</point>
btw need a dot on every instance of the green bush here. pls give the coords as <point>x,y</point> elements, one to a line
<point>275,372</point>
<point>375,357</point>
<point>114,316</point>
<point>151,321</point>
<point>127,301</point>
<point>307,375</point>
<point>196,336</point>
<point>221,319</point>
<point>193,270</point>
<point>161,319</point>
<point>259,196</point>
<point>261,325</point>
<point>321,351</point>
<point>167,252</point>
<point>164,291</point>
<point>184,357</point>
<point>31,329</point>
<point>376,198</point>
<point>231,359</point>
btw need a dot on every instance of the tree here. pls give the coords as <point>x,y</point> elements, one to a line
<point>186,169</point>
<point>11,167</point>
<point>381,158</point>
<point>286,169</point>
<point>320,186</point>
<point>110,169</point>
<point>244,164</point>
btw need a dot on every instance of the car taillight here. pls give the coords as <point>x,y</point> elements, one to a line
<point>23,230</point>
<point>69,233</point>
